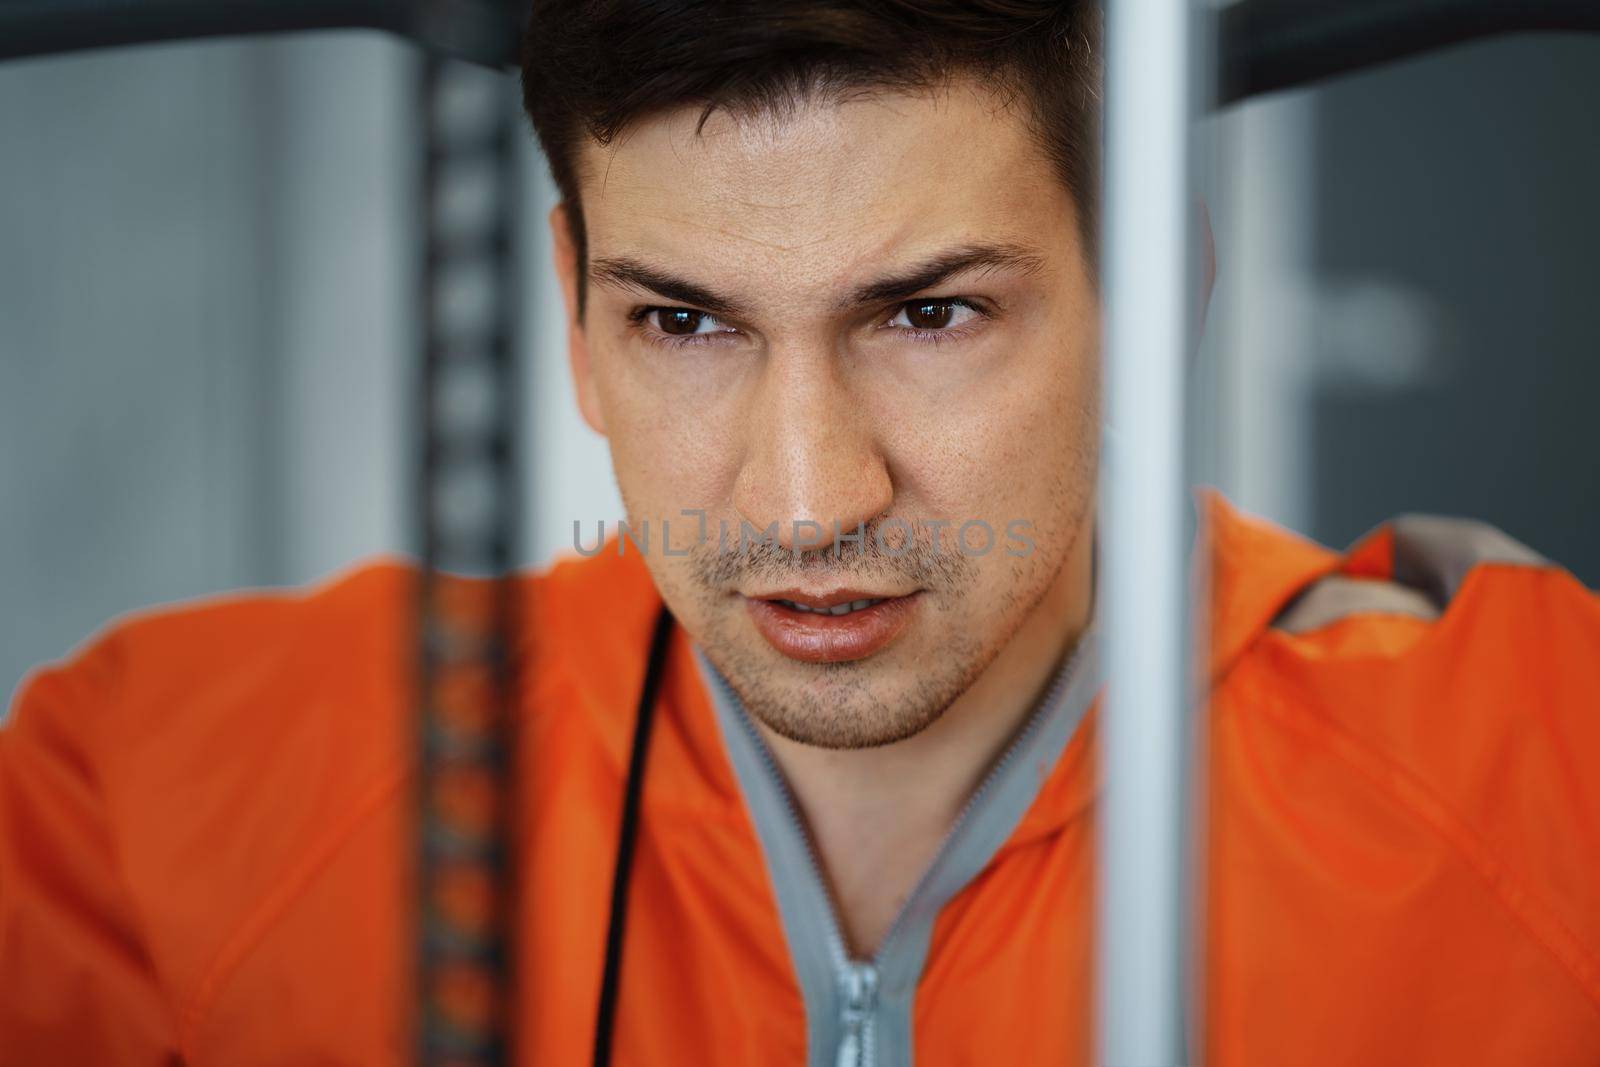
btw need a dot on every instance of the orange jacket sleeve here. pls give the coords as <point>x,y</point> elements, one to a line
<point>78,984</point>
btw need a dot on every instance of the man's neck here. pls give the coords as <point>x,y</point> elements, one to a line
<point>878,815</point>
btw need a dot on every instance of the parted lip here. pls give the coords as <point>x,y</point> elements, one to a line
<point>829,599</point>
<point>830,627</point>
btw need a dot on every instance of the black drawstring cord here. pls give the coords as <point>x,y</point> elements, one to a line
<point>605,1017</point>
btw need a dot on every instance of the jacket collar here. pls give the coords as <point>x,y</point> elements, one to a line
<point>1250,570</point>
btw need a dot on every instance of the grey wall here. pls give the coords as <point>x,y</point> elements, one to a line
<point>1402,314</point>
<point>136,397</point>
<point>1461,194</point>
<point>205,355</point>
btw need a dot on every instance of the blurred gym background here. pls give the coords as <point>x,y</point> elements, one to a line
<point>207,364</point>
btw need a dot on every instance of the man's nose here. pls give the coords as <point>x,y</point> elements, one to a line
<point>813,463</point>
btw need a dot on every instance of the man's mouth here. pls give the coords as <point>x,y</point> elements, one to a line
<point>837,609</point>
<point>830,627</point>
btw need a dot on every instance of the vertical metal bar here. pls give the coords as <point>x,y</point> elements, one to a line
<point>1146,320</point>
<point>467,497</point>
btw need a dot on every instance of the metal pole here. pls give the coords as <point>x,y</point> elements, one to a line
<point>1146,319</point>
<point>469,501</point>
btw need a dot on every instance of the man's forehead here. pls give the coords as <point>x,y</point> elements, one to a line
<point>828,191</point>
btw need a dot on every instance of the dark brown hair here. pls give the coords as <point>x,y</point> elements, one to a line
<point>591,68</point>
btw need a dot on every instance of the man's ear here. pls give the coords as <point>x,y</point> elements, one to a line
<point>564,250</point>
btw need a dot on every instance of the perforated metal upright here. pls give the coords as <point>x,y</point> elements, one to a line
<point>468,503</point>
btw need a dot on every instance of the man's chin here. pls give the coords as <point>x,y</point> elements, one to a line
<point>844,728</point>
<point>852,705</point>
<point>876,700</point>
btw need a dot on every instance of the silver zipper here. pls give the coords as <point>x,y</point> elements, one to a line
<point>860,996</point>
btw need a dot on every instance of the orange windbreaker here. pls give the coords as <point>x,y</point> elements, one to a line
<point>204,823</point>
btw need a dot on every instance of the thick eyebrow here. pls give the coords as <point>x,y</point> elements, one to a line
<point>945,265</point>
<point>632,274</point>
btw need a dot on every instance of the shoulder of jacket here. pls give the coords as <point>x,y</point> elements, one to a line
<point>585,638</point>
<point>223,742</point>
<point>1455,672</point>
<point>582,604</point>
<point>234,742</point>
<point>142,668</point>
<point>580,619</point>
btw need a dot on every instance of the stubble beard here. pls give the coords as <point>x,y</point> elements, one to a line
<point>849,705</point>
<point>861,704</point>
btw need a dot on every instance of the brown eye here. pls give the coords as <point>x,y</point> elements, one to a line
<point>930,314</point>
<point>935,318</point>
<point>679,321</point>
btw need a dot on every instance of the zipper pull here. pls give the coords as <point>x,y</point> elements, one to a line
<point>860,993</point>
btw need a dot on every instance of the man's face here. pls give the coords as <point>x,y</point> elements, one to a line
<point>869,316</point>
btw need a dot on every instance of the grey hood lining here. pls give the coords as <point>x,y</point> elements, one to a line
<point>816,947</point>
<point>1435,554</point>
<point>1432,558</point>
